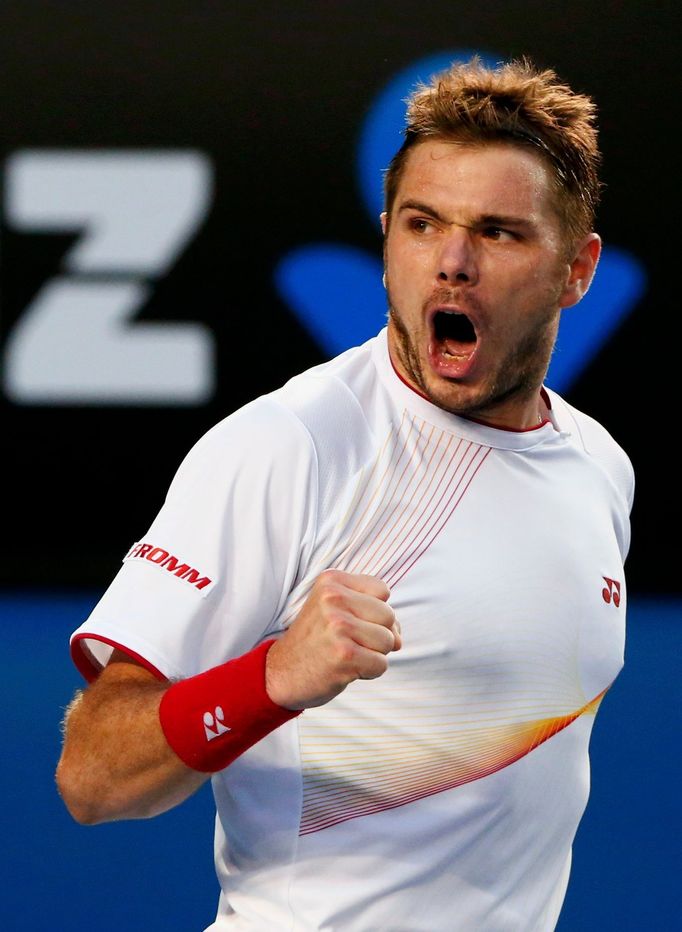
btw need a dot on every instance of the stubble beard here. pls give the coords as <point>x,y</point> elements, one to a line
<point>518,375</point>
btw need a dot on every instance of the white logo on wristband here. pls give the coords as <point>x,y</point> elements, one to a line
<point>214,724</point>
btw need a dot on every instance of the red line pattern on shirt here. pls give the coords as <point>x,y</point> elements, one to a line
<point>423,475</point>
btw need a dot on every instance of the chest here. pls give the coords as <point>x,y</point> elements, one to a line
<point>506,576</point>
<point>507,568</point>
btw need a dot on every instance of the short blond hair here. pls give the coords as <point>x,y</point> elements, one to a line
<point>519,104</point>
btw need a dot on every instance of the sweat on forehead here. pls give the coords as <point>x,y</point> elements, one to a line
<point>518,104</point>
<point>500,185</point>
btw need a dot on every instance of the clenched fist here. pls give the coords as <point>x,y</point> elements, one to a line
<point>343,633</point>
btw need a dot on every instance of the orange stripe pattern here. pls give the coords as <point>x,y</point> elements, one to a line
<point>358,785</point>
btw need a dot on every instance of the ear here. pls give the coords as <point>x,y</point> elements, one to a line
<point>383,217</point>
<point>581,270</point>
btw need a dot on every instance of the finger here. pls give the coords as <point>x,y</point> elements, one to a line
<point>359,582</point>
<point>370,664</point>
<point>397,635</point>
<point>371,636</point>
<point>369,608</point>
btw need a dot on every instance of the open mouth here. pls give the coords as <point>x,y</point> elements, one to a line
<point>454,333</point>
<point>453,346</point>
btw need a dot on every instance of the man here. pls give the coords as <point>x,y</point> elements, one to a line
<point>419,512</point>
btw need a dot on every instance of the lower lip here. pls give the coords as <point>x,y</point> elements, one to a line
<point>451,367</point>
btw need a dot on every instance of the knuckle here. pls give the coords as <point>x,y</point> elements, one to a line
<point>339,626</point>
<point>345,654</point>
<point>389,642</point>
<point>329,577</point>
<point>383,641</point>
<point>389,616</point>
<point>384,616</point>
<point>331,594</point>
<point>375,667</point>
<point>380,588</point>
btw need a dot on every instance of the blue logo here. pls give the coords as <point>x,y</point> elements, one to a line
<point>335,289</point>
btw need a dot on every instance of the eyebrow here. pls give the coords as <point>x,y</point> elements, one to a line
<point>422,208</point>
<point>496,220</point>
<point>503,220</point>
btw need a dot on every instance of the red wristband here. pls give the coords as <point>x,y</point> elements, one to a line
<point>213,717</point>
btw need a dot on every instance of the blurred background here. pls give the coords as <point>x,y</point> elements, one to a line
<point>189,199</point>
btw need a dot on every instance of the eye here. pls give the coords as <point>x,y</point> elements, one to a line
<point>498,235</point>
<point>420,225</point>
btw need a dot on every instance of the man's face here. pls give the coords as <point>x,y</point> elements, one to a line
<point>476,273</point>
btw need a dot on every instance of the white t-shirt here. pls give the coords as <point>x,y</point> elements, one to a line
<point>444,795</point>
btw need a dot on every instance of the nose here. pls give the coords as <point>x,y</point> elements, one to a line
<point>457,262</point>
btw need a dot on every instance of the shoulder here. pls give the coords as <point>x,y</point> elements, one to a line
<point>596,441</point>
<point>339,404</point>
<point>253,442</point>
<point>321,423</point>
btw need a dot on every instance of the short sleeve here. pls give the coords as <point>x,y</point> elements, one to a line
<point>210,577</point>
<point>598,443</point>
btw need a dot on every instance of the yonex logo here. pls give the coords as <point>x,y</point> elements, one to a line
<point>214,723</point>
<point>611,592</point>
<point>173,564</point>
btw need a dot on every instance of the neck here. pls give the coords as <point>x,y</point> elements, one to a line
<point>529,416</point>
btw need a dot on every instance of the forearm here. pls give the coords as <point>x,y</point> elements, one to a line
<point>116,762</point>
<point>135,747</point>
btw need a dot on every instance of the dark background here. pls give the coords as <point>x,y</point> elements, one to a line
<point>274,95</point>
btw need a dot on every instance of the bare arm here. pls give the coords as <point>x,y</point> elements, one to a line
<point>115,763</point>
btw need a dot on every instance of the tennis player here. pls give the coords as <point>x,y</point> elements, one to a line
<point>381,605</point>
